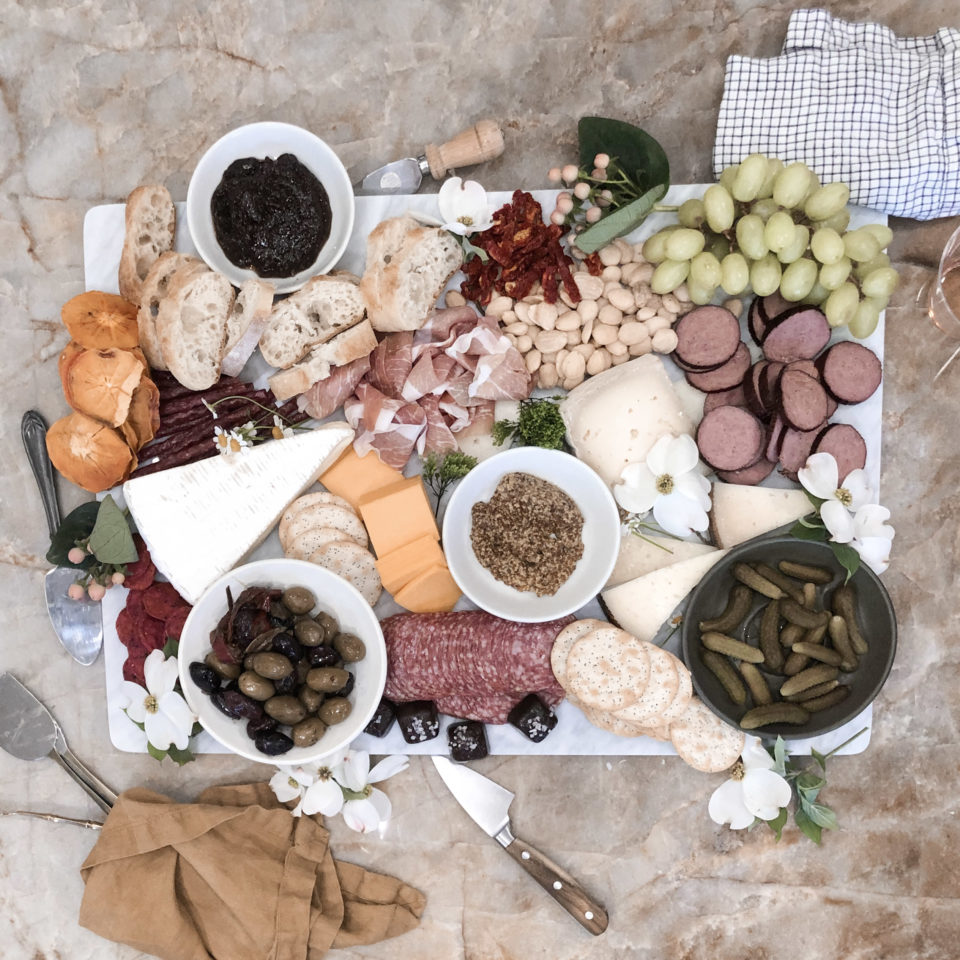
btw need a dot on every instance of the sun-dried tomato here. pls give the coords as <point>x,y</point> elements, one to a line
<point>593,264</point>
<point>521,251</point>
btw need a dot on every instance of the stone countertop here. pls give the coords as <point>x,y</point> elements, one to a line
<point>99,96</point>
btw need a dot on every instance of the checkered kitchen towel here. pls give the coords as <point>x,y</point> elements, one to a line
<point>855,103</point>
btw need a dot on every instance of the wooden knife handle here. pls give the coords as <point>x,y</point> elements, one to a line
<point>558,883</point>
<point>482,141</point>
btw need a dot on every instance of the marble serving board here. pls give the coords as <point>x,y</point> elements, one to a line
<point>103,232</point>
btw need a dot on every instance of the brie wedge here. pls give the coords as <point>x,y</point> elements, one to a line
<point>201,520</point>
<point>740,512</point>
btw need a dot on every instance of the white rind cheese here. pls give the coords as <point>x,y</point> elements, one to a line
<point>643,605</point>
<point>615,417</point>
<point>741,512</point>
<point>642,555</point>
<point>201,520</point>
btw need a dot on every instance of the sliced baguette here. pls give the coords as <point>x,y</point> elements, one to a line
<point>316,313</point>
<point>192,325</point>
<point>352,344</point>
<point>155,288</point>
<point>151,221</point>
<point>383,244</point>
<point>246,323</point>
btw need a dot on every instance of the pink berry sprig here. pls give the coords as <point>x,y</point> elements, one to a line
<point>96,579</point>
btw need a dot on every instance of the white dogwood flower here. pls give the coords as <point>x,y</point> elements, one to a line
<point>367,809</point>
<point>873,536</point>
<point>463,207</point>
<point>753,791</point>
<point>841,500</point>
<point>165,716</point>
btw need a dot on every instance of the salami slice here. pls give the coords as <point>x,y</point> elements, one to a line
<point>161,599</point>
<point>749,476</point>
<point>850,371</point>
<point>706,337</point>
<point>724,377</point>
<point>731,438</point>
<point>802,400</point>
<point>725,398</point>
<point>799,334</point>
<point>847,446</point>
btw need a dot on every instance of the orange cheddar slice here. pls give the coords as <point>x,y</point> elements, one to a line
<point>353,477</point>
<point>398,515</point>
<point>433,591</point>
<point>398,567</point>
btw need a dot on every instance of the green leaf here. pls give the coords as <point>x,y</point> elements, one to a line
<point>197,727</point>
<point>807,827</point>
<point>778,823</point>
<point>820,758</point>
<point>821,815</point>
<point>848,558</point>
<point>77,525</point>
<point>111,540</point>
<point>810,781</point>
<point>818,502</point>
<point>639,154</point>
<point>179,756</point>
<point>802,531</point>
<point>155,752</point>
<point>502,431</point>
<point>621,221</point>
<point>780,757</point>
<point>170,648</point>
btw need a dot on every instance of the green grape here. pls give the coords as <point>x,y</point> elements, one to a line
<point>860,245</point>
<point>735,274</point>
<point>705,270</point>
<point>750,237</point>
<point>868,266</point>
<point>765,275</point>
<point>811,190</point>
<point>833,274</point>
<point>841,306</point>
<point>827,245</point>
<point>750,178</point>
<point>684,244</point>
<point>728,176</point>
<point>798,279</point>
<point>866,317</point>
<point>655,247</point>
<point>818,293</point>
<point>669,275</point>
<point>774,166</point>
<point>719,208</point>
<point>792,185</point>
<point>880,232</point>
<point>700,295</point>
<point>718,245</point>
<point>839,221</point>
<point>827,201</point>
<point>880,283</point>
<point>764,209</point>
<point>691,213</point>
<point>779,231</point>
<point>797,247</point>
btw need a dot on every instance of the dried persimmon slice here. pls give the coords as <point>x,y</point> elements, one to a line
<point>144,413</point>
<point>100,321</point>
<point>89,453</point>
<point>100,383</point>
<point>67,355</point>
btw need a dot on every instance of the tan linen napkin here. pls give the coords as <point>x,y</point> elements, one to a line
<point>232,876</point>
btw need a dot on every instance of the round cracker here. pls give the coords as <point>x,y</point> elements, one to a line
<point>612,723</point>
<point>705,741</point>
<point>661,732</point>
<point>607,669</point>
<point>320,497</point>
<point>352,562</point>
<point>659,692</point>
<point>325,515</point>
<point>566,638</point>
<point>682,697</point>
<point>313,540</point>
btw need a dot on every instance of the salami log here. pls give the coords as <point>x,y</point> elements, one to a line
<point>707,337</point>
<point>731,438</point>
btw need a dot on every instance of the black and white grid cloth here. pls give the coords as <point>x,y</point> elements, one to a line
<point>855,103</point>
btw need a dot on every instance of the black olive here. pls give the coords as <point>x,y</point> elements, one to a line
<point>287,684</point>
<point>237,705</point>
<point>273,743</point>
<point>347,688</point>
<point>206,678</point>
<point>323,656</point>
<point>264,725</point>
<point>286,644</point>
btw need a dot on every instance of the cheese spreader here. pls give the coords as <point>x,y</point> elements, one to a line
<point>488,805</point>
<point>483,141</point>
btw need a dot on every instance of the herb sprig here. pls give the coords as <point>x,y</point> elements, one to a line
<point>538,424</point>
<point>440,473</point>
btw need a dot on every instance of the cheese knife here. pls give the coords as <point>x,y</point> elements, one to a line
<point>483,141</point>
<point>488,804</point>
<point>77,623</point>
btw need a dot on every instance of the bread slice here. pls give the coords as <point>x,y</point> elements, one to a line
<point>192,325</point>
<point>316,313</point>
<point>151,221</point>
<point>246,323</point>
<point>356,342</point>
<point>155,288</point>
<point>383,244</point>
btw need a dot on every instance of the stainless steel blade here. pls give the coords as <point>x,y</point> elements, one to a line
<point>401,176</point>
<point>27,729</point>
<point>486,802</point>
<point>78,623</point>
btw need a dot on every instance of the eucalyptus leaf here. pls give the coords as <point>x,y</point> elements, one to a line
<point>778,823</point>
<point>77,525</point>
<point>809,829</point>
<point>155,752</point>
<point>847,557</point>
<point>621,221</point>
<point>820,815</point>
<point>111,541</point>
<point>803,532</point>
<point>639,154</point>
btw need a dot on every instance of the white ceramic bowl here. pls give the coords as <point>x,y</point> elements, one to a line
<point>262,140</point>
<point>601,534</point>
<point>334,596</point>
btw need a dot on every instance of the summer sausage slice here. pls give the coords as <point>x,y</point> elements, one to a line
<point>707,336</point>
<point>769,390</point>
<point>847,446</point>
<point>772,307</point>
<point>850,371</point>
<point>731,438</point>
<point>752,390</point>
<point>726,376</point>
<point>748,476</point>
<point>802,400</point>
<point>725,398</point>
<point>755,322</point>
<point>795,447</point>
<point>775,437</point>
<point>799,334</point>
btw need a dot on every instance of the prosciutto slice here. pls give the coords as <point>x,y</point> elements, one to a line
<point>390,363</point>
<point>389,426</point>
<point>438,437</point>
<point>326,395</point>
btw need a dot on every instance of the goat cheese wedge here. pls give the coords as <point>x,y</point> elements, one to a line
<point>740,513</point>
<point>202,519</point>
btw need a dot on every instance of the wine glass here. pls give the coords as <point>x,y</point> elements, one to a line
<point>942,294</point>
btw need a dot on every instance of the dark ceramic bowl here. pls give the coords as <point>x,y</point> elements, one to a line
<point>874,613</point>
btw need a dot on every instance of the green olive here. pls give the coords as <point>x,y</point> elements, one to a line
<point>303,668</point>
<point>309,633</point>
<point>285,709</point>
<point>255,686</point>
<point>310,698</point>
<point>327,679</point>
<point>229,671</point>
<point>248,661</point>
<point>307,732</point>
<point>273,666</point>
<point>298,600</point>
<point>349,647</point>
<point>335,710</point>
<point>330,626</point>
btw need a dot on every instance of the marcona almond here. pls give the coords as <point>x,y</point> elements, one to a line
<point>633,332</point>
<point>533,298</point>
<point>616,361</point>
<point>566,298</point>
<point>569,321</point>
<point>644,273</point>
<point>597,362</point>
<point>617,349</point>
<point>518,328</point>
<point>588,310</point>
<point>659,322</point>
<point>681,293</point>
<point>665,341</point>
<point>509,317</point>
<point>628,252</point>
<point>734,305</point>
<point>645,313</point>
<point>532,360</point>
<point>610,314</point>
<point>497,307</point>
<point>628,271</point>
<point>671,303</point>
<point>623,300</point>
<point>603,334</point>
<point>524,343</point>
<point>608,288</point>
<point>585,350</point>
<point>572,383</point>
<point>561,357</point>
<point>591,288</point>
<point>548,375</point>
<point>544,315</point>
<point>642,348</point>
<point>573,338</point>
<point>641,294</point>
<point>549,341</point>
<point>455,298</point>
<point>587,331</point>
<point>549,357</point>
<point>522,310</point>
<point>574,366</point>
<point>610,274</point>
<point>609,255</point>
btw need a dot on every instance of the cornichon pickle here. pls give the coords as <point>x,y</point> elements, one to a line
<point>815,634</point>
<point>721,643</point>
<point>774,713</point>
<point>803,571</point>
<point>827,700</point>
<point>816,651</point>
<point>841,643</point>
<point>791,634</point>
<point>755,582</point>
<point>794,663</point>
<point>809,595</point>
<point>721,668</point>
<point>758,686</point>
<point>770,637</point>
<point>818,691</point>
<point>845,604</point>
<point>802,617</point>
<point>784,583</point>
<point>738,606</point>
<point>808,678</point>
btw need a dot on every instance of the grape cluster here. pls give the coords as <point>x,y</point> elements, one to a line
<point>772,227</point>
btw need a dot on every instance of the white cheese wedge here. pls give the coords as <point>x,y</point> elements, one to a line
<point>691,399</point>
<point>740,512</point>
<point>201,520</point>
<point>643,605</point>
<point>639,556</point>
<point>615,417</point>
